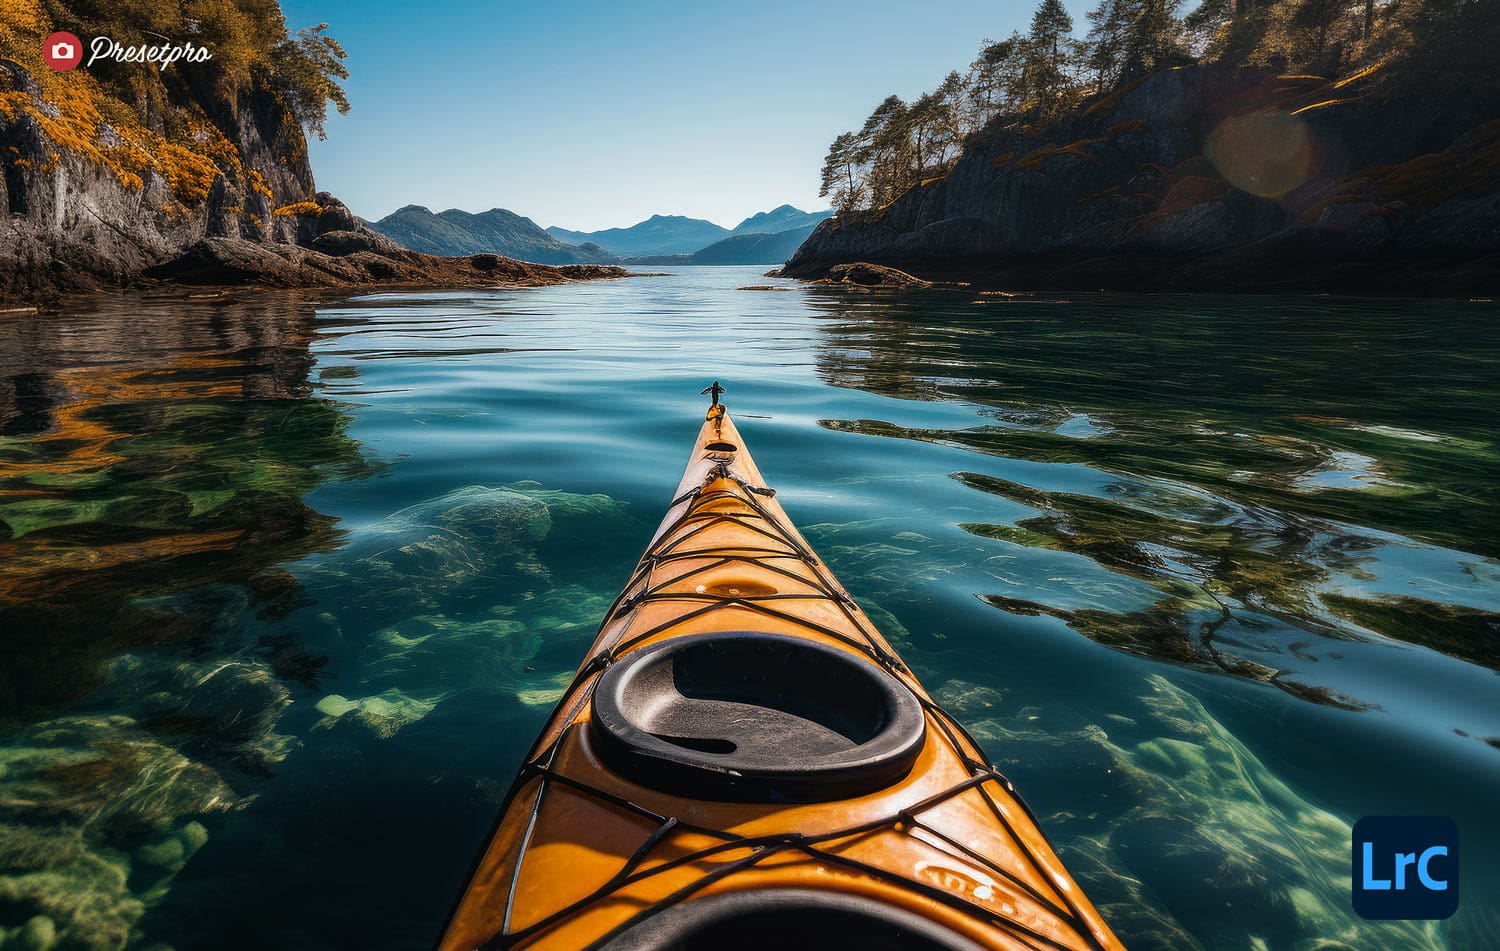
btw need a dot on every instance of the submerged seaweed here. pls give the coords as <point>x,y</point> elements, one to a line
<point>1192,839</point>
<point>96,818</point>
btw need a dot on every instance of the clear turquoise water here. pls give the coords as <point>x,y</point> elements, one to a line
<point>287,584</point>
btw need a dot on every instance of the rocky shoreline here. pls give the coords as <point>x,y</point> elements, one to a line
<point>1206,178</point>
<point>333,248</point>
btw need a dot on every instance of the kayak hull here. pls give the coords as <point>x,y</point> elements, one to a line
<point>584,856</point>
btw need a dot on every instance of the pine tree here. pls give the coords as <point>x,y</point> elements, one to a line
<point>996,77</point>
<point>1109,24</point>
<point>954,119</point>
<point>885,148</point>
<point>1050,26</point>
<point>921,121</point>
<point>1208,19</point>
<point>1047,47</point>
<point>1154,40</point>
<point>842,181</point>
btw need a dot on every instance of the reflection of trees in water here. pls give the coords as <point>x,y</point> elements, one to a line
<point>1220,583</point>
<point>149,448</point>
<point>154,457</point>
<point>1240,414</point>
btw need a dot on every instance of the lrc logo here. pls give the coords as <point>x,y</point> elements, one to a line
<point>1405,867</point>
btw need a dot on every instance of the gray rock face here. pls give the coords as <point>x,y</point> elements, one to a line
<point>1207,177</point>
<point>73,223</point>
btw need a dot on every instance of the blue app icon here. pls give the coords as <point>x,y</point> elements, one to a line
<point>1405,867</point>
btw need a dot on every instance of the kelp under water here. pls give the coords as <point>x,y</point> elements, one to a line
<point>289,584</point>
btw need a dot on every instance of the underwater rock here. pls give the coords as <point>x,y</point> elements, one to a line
<point>173,851</point>
<point>384,714</point>
<point>964,699</point>
<point>576,518</point>
<point>229,707</point>
<point>441,647</point>
<point>470,543</point>
<point>429,657</point>
<point>90,806</point>
<point>38,934</point>
<point>1212,846</point>
<point>88,770</point>
<point>494,648</point>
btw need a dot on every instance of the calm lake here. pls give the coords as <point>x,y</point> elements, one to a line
<point>288,583</point>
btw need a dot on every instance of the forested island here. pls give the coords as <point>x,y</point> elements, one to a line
<point>1303,144</point>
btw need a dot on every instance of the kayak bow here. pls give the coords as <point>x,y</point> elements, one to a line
<point>743,760</point>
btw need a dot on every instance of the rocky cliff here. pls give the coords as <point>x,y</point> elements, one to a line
<point>1207,178</point>
<point>193,176</point>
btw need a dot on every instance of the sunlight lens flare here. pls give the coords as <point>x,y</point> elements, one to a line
<point>1265,154</point>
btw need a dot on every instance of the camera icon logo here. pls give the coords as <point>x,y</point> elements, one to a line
<point>63,51</point>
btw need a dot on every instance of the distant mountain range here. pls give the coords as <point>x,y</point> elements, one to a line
<point>769,237</point>
<point>453,232</point>
<point>736,249</point>
<point>659,234</point>
<point>663,236</point>
<point>778,221</point>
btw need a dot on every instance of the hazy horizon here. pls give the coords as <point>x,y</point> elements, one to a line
<point>599,116</point>
<point>662,214</point>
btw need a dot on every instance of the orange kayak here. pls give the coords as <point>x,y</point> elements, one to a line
<point>743,761</point>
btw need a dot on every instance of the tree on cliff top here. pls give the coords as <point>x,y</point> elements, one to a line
<point>843,182</point>
<point>1049,55</point>
<point>1154,39</point>
<point>995,76</point>
<point>1109,24</point>
<point>307,69</point>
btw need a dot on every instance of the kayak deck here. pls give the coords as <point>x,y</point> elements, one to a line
<point>584,856</point>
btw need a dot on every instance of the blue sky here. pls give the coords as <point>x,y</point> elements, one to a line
<point>592,115</point>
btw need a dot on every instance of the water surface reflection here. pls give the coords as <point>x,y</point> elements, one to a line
<point>288,584</point>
